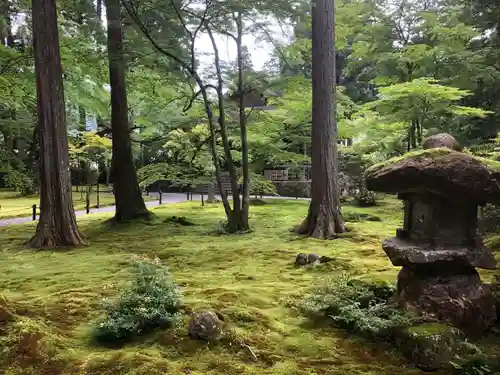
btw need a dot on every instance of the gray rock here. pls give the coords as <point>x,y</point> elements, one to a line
<point>313,258</point>
<point>301,259</point>
<point>404,252</point>
<point>441,140</point>
<point>206,326</point>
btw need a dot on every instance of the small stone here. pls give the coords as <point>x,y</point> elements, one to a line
<point>313,258</point>
<point>430,346</point>
<point>301,259</point>
<point>441,140</point>
<point>206,326</point>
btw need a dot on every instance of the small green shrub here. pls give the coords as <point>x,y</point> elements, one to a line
<point>259,185</point>
<point>357,306</point>
<point>476,364</point>
<point>152,301</point>
<point>19,181</point>
<point>365,198</point>
<point>299,189</point>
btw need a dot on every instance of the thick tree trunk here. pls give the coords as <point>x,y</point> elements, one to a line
<point>57,225</point>
<point>128,197</point>
<point>324,219</point>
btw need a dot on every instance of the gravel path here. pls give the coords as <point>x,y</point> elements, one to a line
<point>166,198</point>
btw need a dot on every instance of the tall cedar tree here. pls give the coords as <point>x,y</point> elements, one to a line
<point>57,225</point>
<point>128,197</point>
<point>324,219</point>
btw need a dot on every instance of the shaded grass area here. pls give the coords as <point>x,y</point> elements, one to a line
<point>249,278</point>
<point>12,204</point>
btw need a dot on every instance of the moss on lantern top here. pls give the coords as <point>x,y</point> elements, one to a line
<point>440,170</point>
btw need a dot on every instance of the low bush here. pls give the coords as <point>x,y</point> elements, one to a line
<point>365,198</point>
<point>152,301</point>
<point>19,180</point>
<point>357,306</point>
<point>259,185</point>
<point>299,189</point>
<point>475,364</point>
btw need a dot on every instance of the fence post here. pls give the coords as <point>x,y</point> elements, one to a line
<point>87,202</point>
<point>147,191</point>
<point>160,195</point>
<point>34,212</point>
<point>97,202</point>
<point>202,199</point>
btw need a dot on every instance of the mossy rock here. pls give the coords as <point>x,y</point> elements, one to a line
<point>430,346</point>
<point>442,170</point>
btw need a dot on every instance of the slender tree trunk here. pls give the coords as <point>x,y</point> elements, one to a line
<point>83,122</point>
<point>99,9</point>
<point>324,219</point>
<point>413,134</point>
<point>243,129</point>
<point>128,197</point>
<point>234,216</point>
<point>57,225</point>
<point>211,193</point>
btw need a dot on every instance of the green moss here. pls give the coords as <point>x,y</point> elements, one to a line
<point>250,278</point>
<point>431,329</point>
<point>430,153</point>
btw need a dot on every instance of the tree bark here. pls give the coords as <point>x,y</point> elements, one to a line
<point>57,225</point>
<point>128,197</point>
<point>83,122</point>
<point>243,128</point>
<point>324,219</point>
<point>99,9</point>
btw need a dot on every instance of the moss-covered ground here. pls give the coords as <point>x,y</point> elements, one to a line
<point>55,295</point>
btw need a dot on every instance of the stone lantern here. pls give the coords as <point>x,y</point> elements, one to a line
<point>438,247</point>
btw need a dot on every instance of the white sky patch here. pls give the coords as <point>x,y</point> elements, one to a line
<point>261,51</point>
